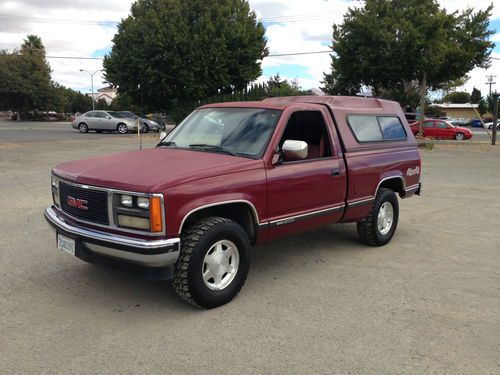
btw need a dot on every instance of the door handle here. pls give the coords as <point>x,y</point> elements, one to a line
<point>335,172</point>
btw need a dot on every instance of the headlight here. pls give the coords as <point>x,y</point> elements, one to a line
<point>139,212</point>
<point>126,200</point>
<point>143,202</point>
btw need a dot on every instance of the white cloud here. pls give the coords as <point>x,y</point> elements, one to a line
<point>299,26</point>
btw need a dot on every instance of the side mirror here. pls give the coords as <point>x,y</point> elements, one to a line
<point>294,150</point>
<point>108,117</point>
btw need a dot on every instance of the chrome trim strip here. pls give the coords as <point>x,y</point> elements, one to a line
<point>51,216</point>
<point>111,220</point>
<point>412,187</point>
<point>256,215</point>
<point>360,202</point>
<point>308,215</point>
<point>390,178</point>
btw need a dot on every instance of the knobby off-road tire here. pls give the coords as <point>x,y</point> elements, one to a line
<point>380,224</point>
<point>214,246</point>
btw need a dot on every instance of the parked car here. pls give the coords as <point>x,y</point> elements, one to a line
<point>441,129</point>
<point>233,176</point>
<point>489,125</point>
<point>103,121</point>
<point>458,121</point>
<point>476,123</point>
<point>146,124</point>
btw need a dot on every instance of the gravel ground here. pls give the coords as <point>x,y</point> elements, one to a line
<point>321,302</point>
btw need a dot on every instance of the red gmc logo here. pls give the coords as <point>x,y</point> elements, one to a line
<point>81,204</point>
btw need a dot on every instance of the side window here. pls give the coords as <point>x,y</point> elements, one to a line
<point>365,128</point>
<point>371,128</point>
<point>442,125</point>
<point>428,124</point>
<point>90,114</point>
<point>310,127</point>
<point>101,114</point>
<point>392,129</point>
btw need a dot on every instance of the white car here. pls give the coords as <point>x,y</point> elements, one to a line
<point>489,125</point>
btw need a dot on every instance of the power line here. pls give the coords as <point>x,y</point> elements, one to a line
<point>271,55</point>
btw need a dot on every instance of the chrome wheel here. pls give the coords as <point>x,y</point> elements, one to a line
<point>220,265</point>
<point>122,129</point>
<point>385,218</point>
<point>459,136</point>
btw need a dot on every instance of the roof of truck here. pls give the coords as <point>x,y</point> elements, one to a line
<point>335,102</point>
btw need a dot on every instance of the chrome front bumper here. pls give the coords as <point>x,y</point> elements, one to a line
<point>149,253</point>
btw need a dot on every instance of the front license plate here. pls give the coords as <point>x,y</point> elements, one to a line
<point>66,244</point>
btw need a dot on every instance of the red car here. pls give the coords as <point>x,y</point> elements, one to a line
<point>441,129</point>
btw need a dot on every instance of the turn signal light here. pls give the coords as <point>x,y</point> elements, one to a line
<point>155,218</point>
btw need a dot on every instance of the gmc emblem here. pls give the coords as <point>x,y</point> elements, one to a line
<point>81,204</point>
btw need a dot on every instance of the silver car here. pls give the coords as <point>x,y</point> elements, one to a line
<point>147,124</point>
<point>104,121</point>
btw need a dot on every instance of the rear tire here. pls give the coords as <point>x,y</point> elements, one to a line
<point>122,128</point>
<point>380,224</point>
<point>213,263</point>
<point>83,127</point>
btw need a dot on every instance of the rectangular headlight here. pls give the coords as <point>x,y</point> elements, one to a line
<point>126,200</point>
<point>143,202</point>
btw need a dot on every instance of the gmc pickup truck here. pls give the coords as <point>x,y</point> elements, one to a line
<point>232,176</point>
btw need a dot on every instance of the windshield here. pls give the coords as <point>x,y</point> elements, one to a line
<point>238,131</point>
<point>115,115</point>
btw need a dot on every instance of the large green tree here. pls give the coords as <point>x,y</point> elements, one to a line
<point>26,81</point>
<point>397,44</point>
<point>171,52</point>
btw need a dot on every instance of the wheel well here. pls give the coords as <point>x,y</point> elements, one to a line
<point>120,123</point>
<point>395,184</point>
<point>239,212</point>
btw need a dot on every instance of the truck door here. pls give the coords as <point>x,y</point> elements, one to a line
<point>310,191</point>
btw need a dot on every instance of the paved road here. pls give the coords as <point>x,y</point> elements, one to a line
<point>37,131</point>
<point>428,302</point>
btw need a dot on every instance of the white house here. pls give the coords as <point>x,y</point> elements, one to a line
<point>106,93</point>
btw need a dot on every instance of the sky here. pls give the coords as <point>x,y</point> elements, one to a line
<point>85,28</point>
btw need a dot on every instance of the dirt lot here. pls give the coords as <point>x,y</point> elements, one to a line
<point>429,302</point>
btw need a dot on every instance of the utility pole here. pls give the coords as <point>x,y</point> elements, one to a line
<point>495,118</point>
<point>490,82</point>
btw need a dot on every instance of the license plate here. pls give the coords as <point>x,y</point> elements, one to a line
<point>66,244</point>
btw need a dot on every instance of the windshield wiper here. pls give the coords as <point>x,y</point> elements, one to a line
<point>166,144</point>
<point>213,147</point>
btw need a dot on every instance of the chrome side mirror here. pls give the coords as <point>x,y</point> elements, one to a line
<point>294,150</point>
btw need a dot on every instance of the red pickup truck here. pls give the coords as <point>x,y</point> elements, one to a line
<point>232,176</point>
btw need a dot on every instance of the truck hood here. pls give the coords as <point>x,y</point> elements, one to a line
<point>152,170</point>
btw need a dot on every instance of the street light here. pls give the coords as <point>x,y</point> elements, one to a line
<point>91,83</point>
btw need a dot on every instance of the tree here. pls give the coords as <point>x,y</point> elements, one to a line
<point>170,52</point>
<point>475,96</point>
<point>26,82</point>
<point>390,44</point>
<point>459,97</point>
<point>276,86</point>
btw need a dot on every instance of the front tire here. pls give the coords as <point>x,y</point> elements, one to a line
<point>144,128</point>
<point>213,263</point>
<point>380,224</point>
<point>122,129</point>
<point>460,136</point>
